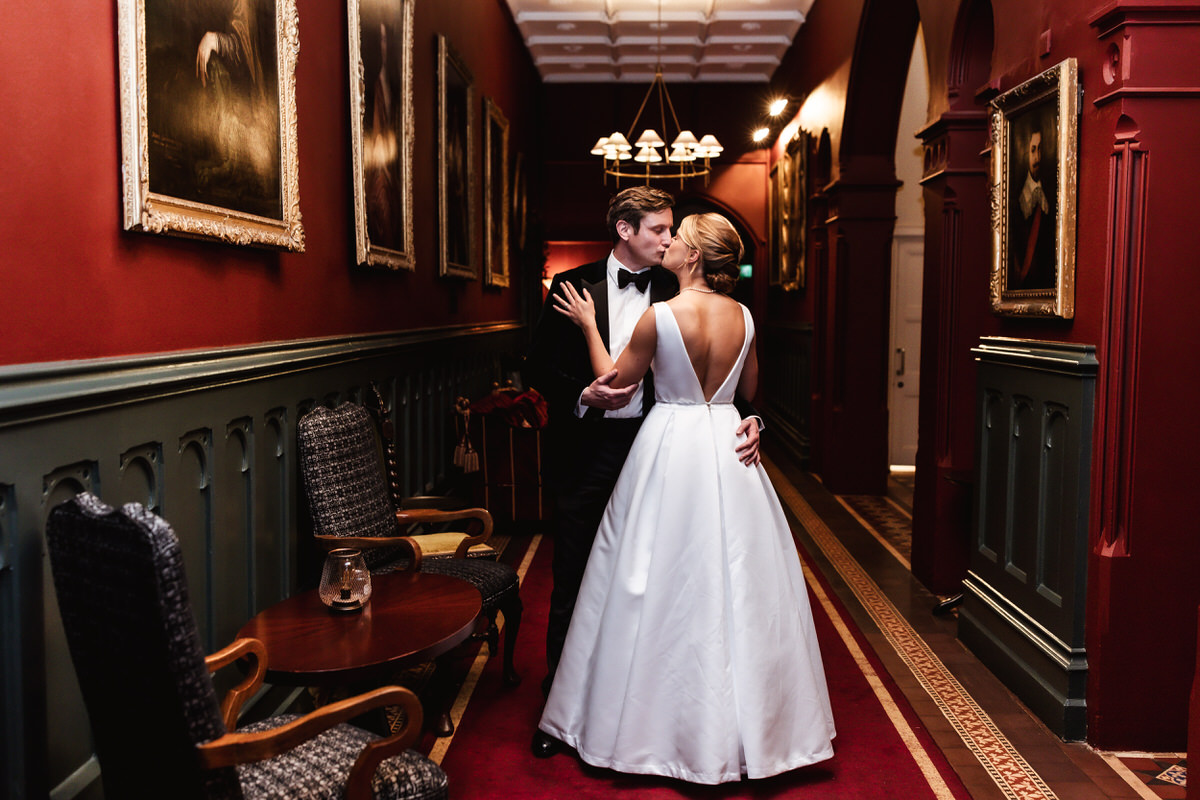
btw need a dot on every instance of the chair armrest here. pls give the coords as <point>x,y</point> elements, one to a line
<point>437,501</point>
<point>243,748</point>
<point>231,706</point>
<point>367,542</point>
<point>478,516</point>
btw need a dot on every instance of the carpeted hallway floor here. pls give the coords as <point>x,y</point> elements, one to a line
<point>917,715</point>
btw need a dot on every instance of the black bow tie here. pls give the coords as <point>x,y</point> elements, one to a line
<point>640,279</point>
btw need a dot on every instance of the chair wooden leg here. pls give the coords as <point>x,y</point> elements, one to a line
<point>512,623</point>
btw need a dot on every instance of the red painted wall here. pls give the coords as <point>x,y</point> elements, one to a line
<point>75,285</point>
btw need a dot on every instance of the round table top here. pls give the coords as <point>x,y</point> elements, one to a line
<point>410,618</point>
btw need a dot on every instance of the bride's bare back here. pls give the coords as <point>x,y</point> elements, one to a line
<point>713,331</point>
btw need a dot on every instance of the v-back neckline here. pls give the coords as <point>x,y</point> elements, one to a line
<point>692,364</point>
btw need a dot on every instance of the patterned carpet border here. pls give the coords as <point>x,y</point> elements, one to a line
<point>1011,772</point>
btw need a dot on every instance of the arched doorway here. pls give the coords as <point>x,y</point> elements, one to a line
<point>957,238</point>
<point>851,412</point>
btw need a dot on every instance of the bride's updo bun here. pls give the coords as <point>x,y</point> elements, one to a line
<point>720,248</point>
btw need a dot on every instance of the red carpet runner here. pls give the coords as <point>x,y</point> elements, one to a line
<point>881,750</point>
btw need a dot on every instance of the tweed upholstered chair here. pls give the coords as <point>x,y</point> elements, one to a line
<point>156,722</point>
<point>342,466</point>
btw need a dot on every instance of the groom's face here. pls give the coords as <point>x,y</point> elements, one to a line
<point>652,238</point>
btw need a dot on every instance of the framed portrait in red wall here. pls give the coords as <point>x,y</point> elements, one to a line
<point>496,216</point>
<point>1034,143</point>
<point>208,120</point>
<point>381,130</point>
<point>456,164</point>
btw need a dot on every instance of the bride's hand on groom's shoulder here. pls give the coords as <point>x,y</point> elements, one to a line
<point>579,308</point>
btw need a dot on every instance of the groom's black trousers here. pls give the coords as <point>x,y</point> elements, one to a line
<point>584,485</point>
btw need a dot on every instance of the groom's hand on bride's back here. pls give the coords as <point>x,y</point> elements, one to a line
<point>600,395</point>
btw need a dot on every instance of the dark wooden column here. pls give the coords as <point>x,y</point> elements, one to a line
<point>852,408</point>
<point>954,296</point>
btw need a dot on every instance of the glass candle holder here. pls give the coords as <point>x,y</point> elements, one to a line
<point>345,580</point>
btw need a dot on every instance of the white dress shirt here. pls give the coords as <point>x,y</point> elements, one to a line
<point>625,308</point>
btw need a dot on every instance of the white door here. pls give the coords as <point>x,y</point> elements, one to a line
<point>908,256</point>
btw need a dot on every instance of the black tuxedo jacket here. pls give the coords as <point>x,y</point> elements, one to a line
<point>559,367</point>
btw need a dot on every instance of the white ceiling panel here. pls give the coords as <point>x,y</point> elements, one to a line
<point>576,41</point>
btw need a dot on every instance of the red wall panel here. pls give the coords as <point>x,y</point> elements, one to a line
<point>77,286</point>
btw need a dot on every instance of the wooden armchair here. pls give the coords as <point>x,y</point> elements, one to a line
<point>156,723</point>
<point>342,459</point>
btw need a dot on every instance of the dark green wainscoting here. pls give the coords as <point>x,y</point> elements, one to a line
<point>207,440</point>
<point>1025,591</point>
<point>785,396</point>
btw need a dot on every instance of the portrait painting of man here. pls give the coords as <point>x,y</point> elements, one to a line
<point>1032,209</point>
<point>1033,142</point>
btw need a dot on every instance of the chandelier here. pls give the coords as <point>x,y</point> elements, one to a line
<point>687,157</point>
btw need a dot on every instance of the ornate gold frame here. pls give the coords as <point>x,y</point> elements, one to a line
<point>452,68</point>
<point>389,144</point>
<point>797,154</point>
<point>519,195</point>
<point>152,212</point>
<point>495,197</point>
<point>780,271</point>
<point>1058,89</point>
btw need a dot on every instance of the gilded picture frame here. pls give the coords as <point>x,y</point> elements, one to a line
<point>793,276</point>
<point>780,272</point>
<point>456,164</point>
<point>381,131</point>
<point>1034,143</point>
<point>496,213</point>
<point>520,191</point>
<point>208,120</point>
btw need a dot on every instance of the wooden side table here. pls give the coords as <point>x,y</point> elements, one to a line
<point>411,618</point>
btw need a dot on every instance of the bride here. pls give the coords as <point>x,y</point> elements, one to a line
<point>691,652</point>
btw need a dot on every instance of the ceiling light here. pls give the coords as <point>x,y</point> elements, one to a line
<point>777,106</point>
<point>761,134</point>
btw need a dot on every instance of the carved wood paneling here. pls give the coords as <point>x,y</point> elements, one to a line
<point>1122,309</point>
<point>1026,589</point>
<point>785,396</point>
<point>207,440</point>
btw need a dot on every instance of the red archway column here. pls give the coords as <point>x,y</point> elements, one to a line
<point>851,410</point>
<point>956,314</point>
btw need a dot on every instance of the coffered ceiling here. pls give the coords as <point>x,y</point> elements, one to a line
<point>580,41</point>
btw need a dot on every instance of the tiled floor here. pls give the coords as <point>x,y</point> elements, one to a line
<point>1164,774</point>
<point>998,747</point>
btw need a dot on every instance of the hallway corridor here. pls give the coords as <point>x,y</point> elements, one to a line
<point>962,724</point>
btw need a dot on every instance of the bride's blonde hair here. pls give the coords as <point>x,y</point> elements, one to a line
<point>720,248</point>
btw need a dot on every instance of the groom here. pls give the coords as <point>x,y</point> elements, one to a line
<point>592,426</point>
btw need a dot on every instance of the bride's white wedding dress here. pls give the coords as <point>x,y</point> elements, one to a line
<point>692,652</point>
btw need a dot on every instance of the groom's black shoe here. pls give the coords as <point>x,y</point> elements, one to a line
<point>544,745</point>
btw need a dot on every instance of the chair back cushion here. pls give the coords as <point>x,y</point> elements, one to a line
<point>343,476</point>
<point>123,597</point>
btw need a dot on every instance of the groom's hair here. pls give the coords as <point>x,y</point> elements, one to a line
<point>634,203</point>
